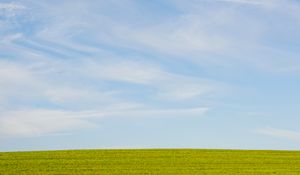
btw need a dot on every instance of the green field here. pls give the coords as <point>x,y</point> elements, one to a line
<point>151,161</point>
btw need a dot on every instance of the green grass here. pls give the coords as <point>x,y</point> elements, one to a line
<point>151,161</point>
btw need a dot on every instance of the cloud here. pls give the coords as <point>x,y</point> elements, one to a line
<point>187,91</point>
<point>251,2</point>
<point>40,122</point>
<point>10,38</point>
<point>280,133</point>
<point>180,35</point>
<point>66,71</point>
<point>36,81</point>
<point>166,84</point>
<point>66,94</point>
<point>32,123</point>
<point>86,84</point>
<point>45,82</point>
<point>16,81</point>
<point>8,13</point>
<point>125,71</point>
<point>80,57</point>
<point>224,36</point>
<point>11,6</point>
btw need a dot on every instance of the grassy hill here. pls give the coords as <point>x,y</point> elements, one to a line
<point>151,161</point>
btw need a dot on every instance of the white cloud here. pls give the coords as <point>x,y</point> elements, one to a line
<point>28,123</point>
<point>179,39</point>
<point>8,11</point>
<point>280,133</point>
<point>16,81</point>
<point>187,90</point>
<point>66,94</point>
<point>207,36</point>
<point>42,81</point>
<point>39,122</point>
<point>158,113</point>
<point>53,82</point>
<point>252,2</point>
<point>218,35</point>
<point>183,35</point>
<point>38,79</point>
<point>36,82</point>
<point>125,71</point>
<point>13,73</point>
<point>11,37</point>
<point>11,6</point>
<point>166,84</point>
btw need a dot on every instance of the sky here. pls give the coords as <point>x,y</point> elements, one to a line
<point>84,74</point>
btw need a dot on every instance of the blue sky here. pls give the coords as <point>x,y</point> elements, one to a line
<point>149,74</point>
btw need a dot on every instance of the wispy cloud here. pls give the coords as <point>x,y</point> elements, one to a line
<point>125,71</point>
<point>280,133</point>
<point>55,83</point>
<point>225,39</point>
<point>11,6</point>
<point>167,84</point>
<point>29,123</point>
<point>40,122</point>
<point>251,2</point>
<point>62,67</point>
<point>9,11</point>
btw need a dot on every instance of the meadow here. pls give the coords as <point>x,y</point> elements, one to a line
<point>150,161</point>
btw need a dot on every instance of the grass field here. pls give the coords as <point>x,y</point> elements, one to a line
<point>156,161</point>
